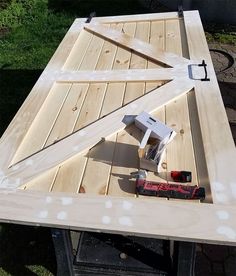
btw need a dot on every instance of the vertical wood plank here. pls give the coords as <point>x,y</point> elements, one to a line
<point>126,151</point>
<point>134,90</point>
<point>76,57</point>
<point>92,105</point>
<point>157,39</point>
<point>115,91</point>
<point>97,173</point>
<point>125,161</point>
<point>70,174</point>
<point>200,160</point>
<point>65,122</point>
<point>43,121</point>
<point>180,154</point>
<point>219,148</point>
<point>43,182</point>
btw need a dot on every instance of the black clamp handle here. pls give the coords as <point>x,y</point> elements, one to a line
<point>180,11</point>
<point>205,69</point>
<point>92,14</point>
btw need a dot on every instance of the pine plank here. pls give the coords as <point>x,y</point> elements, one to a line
<point>76,57</point>
<point>201,166</point>
<point>69,177</point>
<point>131,75</point>
<point>147,218</point>
<point>65,122</point>
<point>135,90</point>
<point>219,148</point>
<point>92,105</point>
<point>43,182</point>
<point>157,40</point>
<point>137,45</point>
<point>180,154</point>
<point>97,173</point>
<point>115,91</point>
<point>109,51</point>
<point>93,100</point>
<point>92,54</point>
<point>173,37</point>
<point>200,160</point>
<point>44,121</point>
<point>99,158</point>
<point>125,159</point>
<point>136,17</point>
<point>71,108</point>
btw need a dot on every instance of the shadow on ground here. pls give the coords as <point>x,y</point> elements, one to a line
<point>228,92</point>
<point>23,248</point>
<point>15,86</point>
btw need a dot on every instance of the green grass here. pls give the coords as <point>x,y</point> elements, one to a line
<point>225,34</point>
<point>32,34</point>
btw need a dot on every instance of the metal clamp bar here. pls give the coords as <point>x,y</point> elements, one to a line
<point>180,11</point>
<point>92,14</point>
<point>205,69</point>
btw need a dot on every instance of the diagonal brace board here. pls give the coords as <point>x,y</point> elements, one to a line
<point>86,138</point>
<point>136,45</point>
<point>135,75</point>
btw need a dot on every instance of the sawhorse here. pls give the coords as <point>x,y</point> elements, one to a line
<point>85,253</point>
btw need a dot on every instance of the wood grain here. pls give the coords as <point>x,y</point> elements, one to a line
<point>137,45</point>
<point>92,134</point>
<point>140,217</point>
<point>180,154</point>
<point>218,143</point>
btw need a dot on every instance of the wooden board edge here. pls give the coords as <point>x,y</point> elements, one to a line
<point>142,217</point>
<point>136,17</point>
<point>217,138</point>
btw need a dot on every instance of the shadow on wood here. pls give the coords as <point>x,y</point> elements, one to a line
<point>129,152</point>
